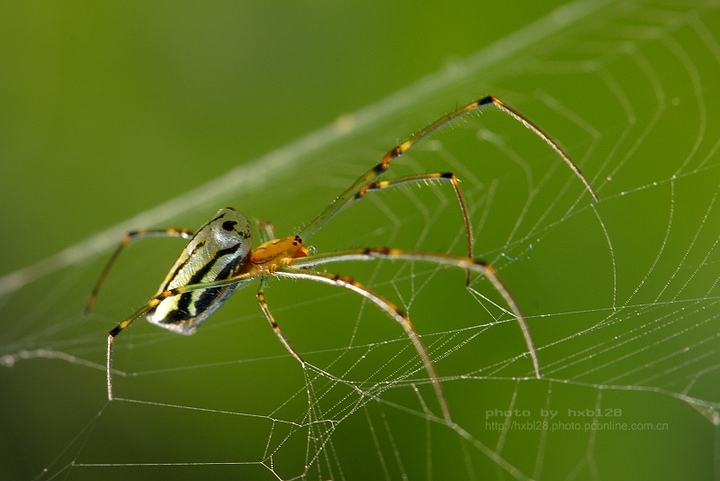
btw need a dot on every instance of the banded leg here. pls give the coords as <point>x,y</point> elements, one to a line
<point>444,176</point>
<point>266,232</point>
<point>348,195</point>
<point>389,308</point>
<point>152,303</point>
<point>465,263</point>
<point>271,319</point>
<point>129,237</point>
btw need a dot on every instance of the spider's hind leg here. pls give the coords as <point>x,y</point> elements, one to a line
<point>129,237</point>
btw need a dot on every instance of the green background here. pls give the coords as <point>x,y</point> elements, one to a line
<point>112,110</point>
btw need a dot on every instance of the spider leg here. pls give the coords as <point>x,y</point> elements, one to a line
<point>466,263</point>
<point>502,106</point>
<point>152,303</point>
<point>388,307</point>
<point>348,195</point>
<point>442,176</point>
<point>268,315</point>
<point>266,230</point>
<point>111,338</point>
<point>129,237</point>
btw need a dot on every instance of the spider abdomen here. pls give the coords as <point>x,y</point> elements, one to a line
<point>218,251</point>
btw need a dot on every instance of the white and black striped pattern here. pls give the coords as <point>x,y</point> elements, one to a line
<point>217,251</point>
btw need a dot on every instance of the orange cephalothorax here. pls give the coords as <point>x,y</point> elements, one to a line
<point>271,253</point>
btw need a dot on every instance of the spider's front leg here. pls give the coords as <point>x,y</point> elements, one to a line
<point>367,179</point>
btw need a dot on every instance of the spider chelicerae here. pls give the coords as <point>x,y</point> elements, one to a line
<point>220,258</point>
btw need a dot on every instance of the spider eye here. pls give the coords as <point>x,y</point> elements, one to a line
<point>229,225</point>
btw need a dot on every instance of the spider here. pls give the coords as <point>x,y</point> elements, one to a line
<point>219,258</point>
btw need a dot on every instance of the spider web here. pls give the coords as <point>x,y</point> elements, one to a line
<point>621,295</point>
